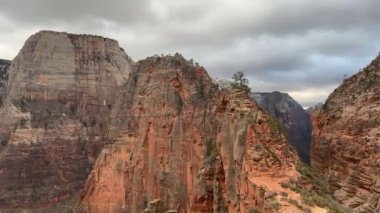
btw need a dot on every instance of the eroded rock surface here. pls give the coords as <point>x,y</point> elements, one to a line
<point>62,98</point>
<point>346,140</point>
<point>192,147</point>
<point>83,128</point>
<point>292,117</point>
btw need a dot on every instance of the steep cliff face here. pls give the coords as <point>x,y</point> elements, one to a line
<point>191,148</point>
<point>346,140</point>
<point>156,135</point>
<point>61,96</point>
<point>4,64</point>
<point>293,118</point>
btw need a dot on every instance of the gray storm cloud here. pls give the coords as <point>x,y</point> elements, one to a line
<point>303,47</point>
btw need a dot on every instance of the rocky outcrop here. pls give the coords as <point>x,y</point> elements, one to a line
<point>193,148</point>
<point>293,118</point>
<point>83,128</point>
<point>61,103</point>
<point>4,64</point>
<point>346,140</point>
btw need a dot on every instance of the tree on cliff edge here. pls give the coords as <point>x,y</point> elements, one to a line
<point>240,82</point>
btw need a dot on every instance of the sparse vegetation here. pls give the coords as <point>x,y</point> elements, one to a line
<point>308,200</point>
<point>222,84</point>
<point>240,82</point>
<point>273,155</point>
<point>22,105</point>
<point>307,172</point>
<point>23,123</point>
<point>252,117</point>
<point>254,210</point>
<point>182,191</point>
<point>210,151</point>
<point>262,191</point>
<point>275,126</point>
<point>285,185</point>
<point>293,202</point>
<point>318,196</point>
<point>119,166</point>
<point>274,205</point>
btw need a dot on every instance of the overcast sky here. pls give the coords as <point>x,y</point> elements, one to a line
<point>303,47</point>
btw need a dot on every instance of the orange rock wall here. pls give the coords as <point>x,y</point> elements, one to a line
<point>85,128</point>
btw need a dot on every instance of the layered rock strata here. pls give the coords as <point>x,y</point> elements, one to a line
<point>346,140</point>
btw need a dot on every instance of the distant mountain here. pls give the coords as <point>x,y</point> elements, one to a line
<point>310,110</point>
<point>294,119</point>
<point>4,64</point>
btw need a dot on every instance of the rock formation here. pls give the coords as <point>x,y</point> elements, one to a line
<point>83,128</point>
<point>346,140</point>
<point>292,117</point>
<point>4,64</point>
<point>192,147</point>
<point>59,109</point>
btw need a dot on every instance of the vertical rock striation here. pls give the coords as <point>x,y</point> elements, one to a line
<point>61,97</point>
<point>293,118</point>
<point>83,128</point>
<point>189,148</point>
<point>346,140</point>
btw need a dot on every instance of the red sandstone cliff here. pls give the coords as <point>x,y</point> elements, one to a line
<point>346,140</point>
<point>60,103</point>
<point>192,147</point>
<point>84,125</point>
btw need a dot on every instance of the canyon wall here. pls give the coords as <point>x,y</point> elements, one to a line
<point>84,128</point>
<point>293,118</point>
<point>61,99</point>
<point>191,149</point>
<point>346,140</point>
